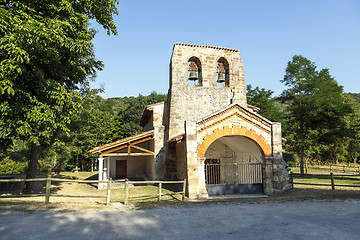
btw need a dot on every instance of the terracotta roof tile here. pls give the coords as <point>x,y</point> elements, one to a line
<point>207,46</point>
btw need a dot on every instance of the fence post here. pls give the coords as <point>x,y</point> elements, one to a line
<point>292,180</point>
<point>126,193</point>
<point>108,191</point>
<point>344,168</point>
<point>184,189</point>
<point>160,185</point>
<point>332,181</point>
<point>359,170</point>
<point>47,189</point>
<point>318,164</point>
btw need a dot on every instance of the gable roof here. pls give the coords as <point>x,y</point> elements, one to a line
<point>146,115</point>
<point>207,46</point>
<point>237,110</point>
<point>123,141</point>
<point>229,108</point>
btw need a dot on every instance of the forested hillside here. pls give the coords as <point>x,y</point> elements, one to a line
<point>105,120</point>
<point>100,121</point>
<point>356,96</point>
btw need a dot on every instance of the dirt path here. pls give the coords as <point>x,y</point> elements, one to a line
<point>288,220</point>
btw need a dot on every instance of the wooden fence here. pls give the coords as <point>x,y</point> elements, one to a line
<point>333,167</point>
<point>158,195</point>
<point>49,181</point>
<point>331,178</point>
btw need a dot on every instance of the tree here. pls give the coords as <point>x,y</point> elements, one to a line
<point>106,120</point>
<point>46,55</point>
<point>315,109</point>
<point>352,141</point>
<point>262,98</point>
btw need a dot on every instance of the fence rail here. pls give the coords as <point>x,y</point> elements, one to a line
<point>331,178</point>
<point>49,181</point>
<point>333,167</point>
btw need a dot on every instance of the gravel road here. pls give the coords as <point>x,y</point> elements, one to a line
<point>224,220</point>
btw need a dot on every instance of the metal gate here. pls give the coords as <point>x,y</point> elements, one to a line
<point>233,178</point>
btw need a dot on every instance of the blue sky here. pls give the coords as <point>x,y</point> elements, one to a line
<point>267,33</point>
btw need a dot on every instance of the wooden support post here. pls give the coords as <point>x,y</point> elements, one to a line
<point>343,168</point>
<point>160,186</point>
<point>359,170</point>
<point>47,189</point>
<point>108,191</point>
<point>318,164</point>
<point>184,189</point>
<point>292,180</point>
<point>332,181</point>
<point>126,193</point>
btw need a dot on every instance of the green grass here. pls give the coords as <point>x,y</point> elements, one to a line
<point>322,176</point>
<point>325,169</point>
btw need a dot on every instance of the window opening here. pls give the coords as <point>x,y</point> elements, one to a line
<point>221,75</point>
<point>193,73</point>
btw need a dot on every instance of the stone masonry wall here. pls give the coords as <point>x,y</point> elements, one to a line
<point>159,138</point>
<point>189,103</point>
<point>187,107</point>
<point>280,178</point>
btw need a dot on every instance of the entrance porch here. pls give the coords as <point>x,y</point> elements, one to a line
<point>131,157</point>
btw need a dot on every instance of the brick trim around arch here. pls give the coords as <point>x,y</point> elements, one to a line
<point>235,130</point>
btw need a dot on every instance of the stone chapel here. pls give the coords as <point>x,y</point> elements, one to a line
<point>205,132</point>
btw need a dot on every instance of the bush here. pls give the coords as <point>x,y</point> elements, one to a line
<point>9,166</point>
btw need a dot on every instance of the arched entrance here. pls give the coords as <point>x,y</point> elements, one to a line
<point>234,165</point>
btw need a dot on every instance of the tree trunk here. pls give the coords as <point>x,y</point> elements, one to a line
<point>302,148</point>
<point>36,150</point>
<point>302,161</point>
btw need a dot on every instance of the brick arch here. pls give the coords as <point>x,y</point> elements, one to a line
<point>235,130</point>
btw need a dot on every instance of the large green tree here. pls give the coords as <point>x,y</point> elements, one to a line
<point>262,98</point>
<point>107,120</point>
<point>46,55</point>
<point>315,109</point>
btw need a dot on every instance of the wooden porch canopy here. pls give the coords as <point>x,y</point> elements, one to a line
<point>137,145</point>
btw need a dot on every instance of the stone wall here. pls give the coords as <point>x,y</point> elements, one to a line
<point>234,121</point>
<point>190,103</point>
<point>159,140</point>
<point>203,113</point>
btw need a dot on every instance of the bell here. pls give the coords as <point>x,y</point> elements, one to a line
<point>221,77</point>
<point>193,75</point>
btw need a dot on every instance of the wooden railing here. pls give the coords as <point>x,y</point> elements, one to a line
<point>331,178</point>
<point>158,195</point>
<point>332,167</point>
<point>49,181</point>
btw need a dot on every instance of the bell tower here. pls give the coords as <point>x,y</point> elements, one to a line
<point>203,79</point>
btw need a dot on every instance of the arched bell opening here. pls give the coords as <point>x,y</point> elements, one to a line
<point>194,72</point>
<point>222,72</point>
<point>234,165</point>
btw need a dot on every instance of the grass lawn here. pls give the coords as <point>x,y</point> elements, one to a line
<point>89,189</point>
<point>322,176</point>
<point>57,203</point>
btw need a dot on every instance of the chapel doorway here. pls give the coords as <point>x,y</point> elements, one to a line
<point>234,165</point>
<point>121,169</point>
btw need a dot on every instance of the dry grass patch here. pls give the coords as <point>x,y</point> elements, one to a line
<point>93,198</point>
<point>57,203</point>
